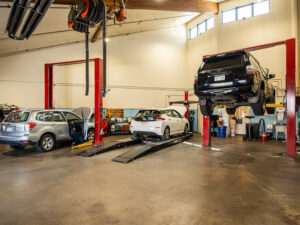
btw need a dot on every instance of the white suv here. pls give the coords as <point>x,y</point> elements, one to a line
<point>160,122</point>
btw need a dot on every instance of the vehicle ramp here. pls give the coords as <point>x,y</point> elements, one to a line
<point>95,150</point>
<point>141,150</point>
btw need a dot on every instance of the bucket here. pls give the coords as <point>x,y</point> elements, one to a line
<point>222,132</point>
<point>264,136</point>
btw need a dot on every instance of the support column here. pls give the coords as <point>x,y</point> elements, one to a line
<point>186,99</point>
<point>206,132</point>
<point>291,97</point>
<point>98,101</point>
<point>47,86</point>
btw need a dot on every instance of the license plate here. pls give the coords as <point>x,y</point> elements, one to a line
<point>9,129</point>
<point>219,78</point>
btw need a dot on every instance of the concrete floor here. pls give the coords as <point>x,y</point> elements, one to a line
<point>238,183</point>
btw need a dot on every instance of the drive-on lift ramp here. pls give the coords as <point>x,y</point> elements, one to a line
<point>134,152</point>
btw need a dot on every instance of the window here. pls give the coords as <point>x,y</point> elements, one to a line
<point>201,28</point>
<point>222,62</point>
<point>71,116</point>
<point>50,117</point>
<point>193,32</point>
<point>176,114</point>
<point>17,117</point>
<point>210,23</point>
<point>229,16</point>
<point>169,113</point>
<point>261,8</point>
<point>244,12</point>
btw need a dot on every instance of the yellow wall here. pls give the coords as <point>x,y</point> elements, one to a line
<point>280,24</point>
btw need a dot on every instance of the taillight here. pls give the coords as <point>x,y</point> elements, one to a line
<point>196,78</point>
<point>160,118</point>
<point>30,125</point>
<point>250,69</point>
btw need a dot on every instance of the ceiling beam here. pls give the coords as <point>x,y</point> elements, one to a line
<point>164,5</point>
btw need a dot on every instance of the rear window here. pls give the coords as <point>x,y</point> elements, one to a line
<point>222,62</point>
<point>148,113</point>
<point>17,117</point>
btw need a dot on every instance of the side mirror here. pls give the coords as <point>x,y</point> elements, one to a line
<point>271,76</point>
<point>266,70</point>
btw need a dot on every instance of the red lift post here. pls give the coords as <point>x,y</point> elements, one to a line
<point>290,93</point>
<point>98,87</point>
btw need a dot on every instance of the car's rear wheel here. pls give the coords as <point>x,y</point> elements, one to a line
<point>167,134</point>
<point>46,143</point>
<point>259,108</point>
<point>17,147</point>
<point>230,111</point>
<point>206,107</point>
<point>186,130</point>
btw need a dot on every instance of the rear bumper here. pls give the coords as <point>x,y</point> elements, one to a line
<point>145,133</point>
<point>24,140</point>
<point>245,90</point>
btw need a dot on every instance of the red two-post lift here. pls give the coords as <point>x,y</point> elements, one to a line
<point>290,93</point>
<point>98,63</point>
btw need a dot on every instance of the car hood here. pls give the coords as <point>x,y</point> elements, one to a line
<point>180,109</point>
<point>86,111</point>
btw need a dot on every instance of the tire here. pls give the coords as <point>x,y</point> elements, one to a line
<point>167,134</point>
<point>46,143</point>
<point>259,108</point>
<point>206,108</point>
<point>17,147</point>
<point>90,135</point>
<point>186,130</point>
<point>230,111</point>
<point>270,110</point>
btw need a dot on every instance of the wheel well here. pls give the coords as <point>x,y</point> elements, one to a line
<point>49,134</point>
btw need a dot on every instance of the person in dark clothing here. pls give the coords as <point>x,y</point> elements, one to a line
<point>77,138</point>
<point>1,115</point>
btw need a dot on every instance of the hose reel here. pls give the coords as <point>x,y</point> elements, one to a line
<point>80,18</point>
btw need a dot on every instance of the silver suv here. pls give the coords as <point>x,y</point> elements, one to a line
<point>44,128</point>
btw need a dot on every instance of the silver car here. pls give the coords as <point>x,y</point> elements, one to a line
<point>44,128</point>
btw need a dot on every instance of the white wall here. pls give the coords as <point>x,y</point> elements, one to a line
<point>155,60</point>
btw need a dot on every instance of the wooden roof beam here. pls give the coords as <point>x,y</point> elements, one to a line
<point>164,5</point>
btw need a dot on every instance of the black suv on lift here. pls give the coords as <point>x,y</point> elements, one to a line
<point>234,79</point>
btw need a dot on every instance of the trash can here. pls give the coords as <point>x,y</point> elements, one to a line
<point>222,131</point>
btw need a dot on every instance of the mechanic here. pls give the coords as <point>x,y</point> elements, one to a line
<point>1,115</point>
<point>77,138</point>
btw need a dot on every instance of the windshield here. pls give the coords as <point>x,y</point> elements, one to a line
<point>17,117</point>
<point>222,62</point>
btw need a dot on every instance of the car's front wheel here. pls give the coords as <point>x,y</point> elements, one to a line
<point>167,134</point>
<point>90,135</point>
<point>17,147</point>
<point>206,107</point>
<point>259,108</point>
<point>46,143</point>
<point>186,130</point>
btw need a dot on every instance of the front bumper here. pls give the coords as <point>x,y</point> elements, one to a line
<point>24,140</point>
